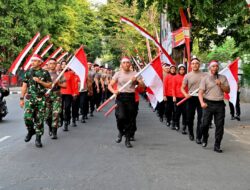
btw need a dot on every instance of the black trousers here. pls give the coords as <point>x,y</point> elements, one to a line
<point>97,96</point>
<point>84,103</point>
<point>161,109</point>
<point>169,110</point>
<point>193,104</point>
<point>237,106</point>
<point>179,111</point>
<point>66,107</point>
<point>75,107</point>
<point>215,109</point>
<point>125,113</point>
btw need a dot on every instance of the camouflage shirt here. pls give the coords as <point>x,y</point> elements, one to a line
<point>34,88</point>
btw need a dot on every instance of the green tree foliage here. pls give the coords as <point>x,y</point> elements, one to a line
<point>119,38</point>
<point>69,22</point>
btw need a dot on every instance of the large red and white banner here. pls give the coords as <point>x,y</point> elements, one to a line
<point>78,64</point>
<point>53,55</point>
<point>14,66</point>
<point>231,72</point>
<point>60,57</point>
<point>153,78</point>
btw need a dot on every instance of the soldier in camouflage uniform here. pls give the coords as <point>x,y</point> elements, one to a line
<point>35,82</point>
<point>54,101</point>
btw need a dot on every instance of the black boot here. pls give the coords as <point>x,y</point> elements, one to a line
<point>66,126</point>
<point>31,132</point>
<point>54,133</point>
<point>177,126</point>
<point>119,138</point>
<point>83,119</point>
<point>127,143</point>
<point>50,130</point>
<point>74,123</point>
<point>173,126</point>
<point>184,130</point>
<point>38,141</point>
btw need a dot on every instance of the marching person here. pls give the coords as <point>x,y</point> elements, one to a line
<point>168,96</point>
<point>125,100</point>
<point>192,81</point>
<point>211,96</point>
<point>67,96</point>
<point>76,99</point>
<point>177,97</point>
<point>54,100</point>
<point>91,94</point>
<point>35,84</point>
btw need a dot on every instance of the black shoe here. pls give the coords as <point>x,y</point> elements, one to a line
<point>74,123</point>
<point>66,126</point>
<point>173,126</point>
<point>177,126</point>
<point>127,143</point>
<point>28,137</point>
<point>54,133</point>
<point>38,141</point>
<point>238,118</point>
<point>217,149</point>
<point>132,138</point>
<point>168,124</point>
<point>183,132</point>
<point>198,141</point>
<point>83,120</point>
<point>119,138</point>
<point>161,119</point>
<point>50,131</point>
<point>232,118</point>
<point>191,137</point>
<point>86,117</point>
<point>204,144</point>
<point>91,115</point>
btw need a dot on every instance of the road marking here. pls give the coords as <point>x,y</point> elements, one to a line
<point>4,138</point>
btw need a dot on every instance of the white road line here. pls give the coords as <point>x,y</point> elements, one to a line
<point>4,138</point>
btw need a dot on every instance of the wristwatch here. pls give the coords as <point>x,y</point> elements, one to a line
<point>21,98</point>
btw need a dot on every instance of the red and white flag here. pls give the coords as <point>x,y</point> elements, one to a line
<point>14,66</point>
<point>153,78</point>
<point>46,50</point>
<point>78,64</point>
<point>36,49</point>
<point>60,57</point>
<point>53,55</point>
<point>248,4</point>
<point>151,97</point>
<point>231,72</point>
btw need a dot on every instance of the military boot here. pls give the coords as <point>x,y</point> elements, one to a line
<point>38,141</point>
<point>74,122</point>
<point>31,132</point>
<point>66,126</point>
<point>127,143</point>
<point>54,133</point>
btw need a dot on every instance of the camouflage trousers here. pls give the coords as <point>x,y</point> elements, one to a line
<point>53,109</point>
<point>34,113</point>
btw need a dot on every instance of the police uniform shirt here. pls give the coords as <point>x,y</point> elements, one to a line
<point>122,77</point>
<point>212,91</point>
<point>192,80</point>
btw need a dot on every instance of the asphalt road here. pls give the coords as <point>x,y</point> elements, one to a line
<point>87,158</point>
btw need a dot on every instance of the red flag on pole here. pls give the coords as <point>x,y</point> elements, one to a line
<point>14,66</point>
<point>46,50</point>
<point>53,55</point>
<point>186,31</point>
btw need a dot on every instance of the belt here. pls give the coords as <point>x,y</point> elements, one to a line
<point>214,101</point>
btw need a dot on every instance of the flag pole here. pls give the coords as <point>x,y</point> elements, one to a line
<point>124,86</point>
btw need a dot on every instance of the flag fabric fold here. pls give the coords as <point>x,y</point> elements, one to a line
<point>153,78</point>
<point>14,66</point>
<point>151,97</point>
<point>231,72</point>
<point>78,64</point>
<point>148,36</point>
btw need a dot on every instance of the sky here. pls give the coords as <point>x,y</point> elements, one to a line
<point>98,1</point>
